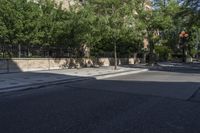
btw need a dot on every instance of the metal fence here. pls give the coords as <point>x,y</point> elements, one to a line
<point>17,51</point>
<point>4,67</point>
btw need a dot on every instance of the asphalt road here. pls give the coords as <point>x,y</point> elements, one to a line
<point>150,102</point>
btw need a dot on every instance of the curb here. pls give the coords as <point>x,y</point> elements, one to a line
<point>120,74</point>
<point>44,84</point>
<point>39,85</point>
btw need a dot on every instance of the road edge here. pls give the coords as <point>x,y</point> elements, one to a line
<point>44,84</point>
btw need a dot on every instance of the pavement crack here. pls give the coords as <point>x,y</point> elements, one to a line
<point>194,94</point>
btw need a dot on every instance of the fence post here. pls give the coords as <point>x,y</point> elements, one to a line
<point>7,64</point>
<point>19,50</point>
<point>49,67</point>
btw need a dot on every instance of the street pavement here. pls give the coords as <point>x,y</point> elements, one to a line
<point>171,67</point>
<point>155,83</point>
<point>26,80</point>
<point>162,101</point>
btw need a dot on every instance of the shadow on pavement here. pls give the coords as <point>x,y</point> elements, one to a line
<point>131,104</point>
<point>8,64</point>
<point>12,76</point>
<point>168,89</point>
<point>24,79</point>
<point>103,106</point>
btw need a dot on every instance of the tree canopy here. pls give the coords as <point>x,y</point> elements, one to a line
<point>98,24</point>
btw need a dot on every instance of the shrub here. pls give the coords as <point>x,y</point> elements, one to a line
<point>164,53</point>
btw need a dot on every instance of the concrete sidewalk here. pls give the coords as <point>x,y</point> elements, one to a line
<point>25,80</point>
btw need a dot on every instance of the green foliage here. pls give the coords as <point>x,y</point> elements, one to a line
<point>99,24</point>
<point>114,22</point>
<point>163,52</point>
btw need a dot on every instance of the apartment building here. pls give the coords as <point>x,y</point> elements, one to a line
<point>67,3</point>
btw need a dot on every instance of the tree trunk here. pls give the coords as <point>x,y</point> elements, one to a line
<point>28,51</point>
<point>115,56</point>
<point>144,57</point>
<point>3,50</point>
<point>184,56</point>
<point>151,51</point>
<point>19,50</point>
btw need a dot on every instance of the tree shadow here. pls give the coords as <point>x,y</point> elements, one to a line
<point>37,78</point>
<point>94,102</point>
<point>20,73</point>
<point>8,65</point>
<point>165,89</point>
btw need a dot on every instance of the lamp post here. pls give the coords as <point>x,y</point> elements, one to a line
<point>183,39</point>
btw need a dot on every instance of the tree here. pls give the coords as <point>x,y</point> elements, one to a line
<point>113,22</point>
<point>160,23</point>
<point>9,22</point>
